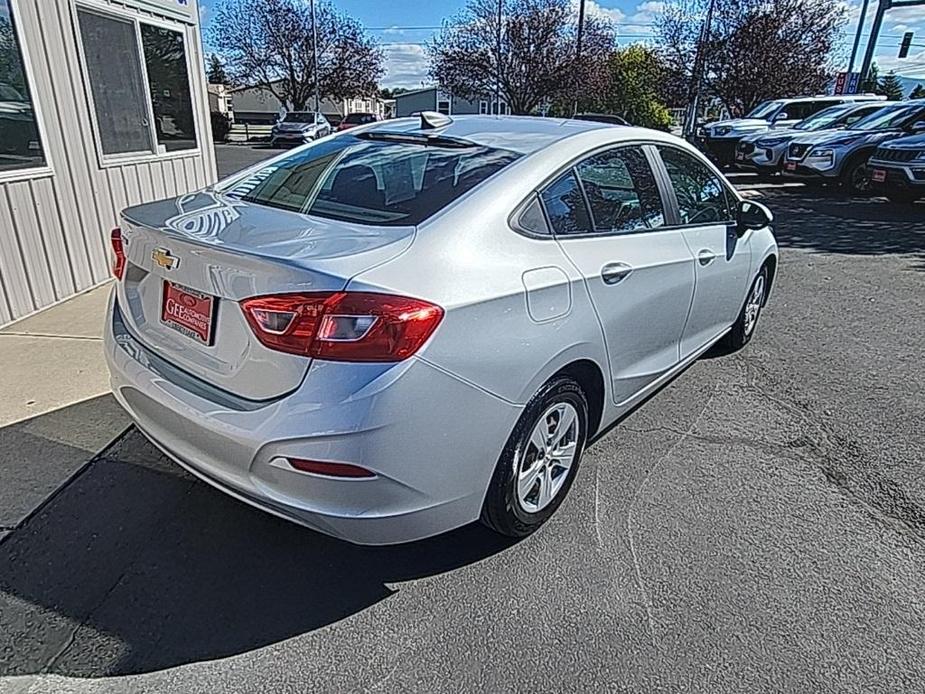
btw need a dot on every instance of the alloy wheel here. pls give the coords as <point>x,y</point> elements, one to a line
<point>544,462</point>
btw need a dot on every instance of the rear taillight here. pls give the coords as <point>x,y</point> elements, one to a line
<point>118,254</point>
<point>321,467</point>
<point>343,326</point>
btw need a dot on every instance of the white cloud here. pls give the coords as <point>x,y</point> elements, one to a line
<point>405,65</point>
<point>647,12</point>
<point>594,9</point>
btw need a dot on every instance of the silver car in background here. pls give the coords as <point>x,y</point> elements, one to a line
<point>765,152</point>
<point>416,324</point>
<point>299,127</point>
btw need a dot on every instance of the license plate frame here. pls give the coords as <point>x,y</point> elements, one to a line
<point>189,312</point>
<point>790,166</point>
<point>878,176</point>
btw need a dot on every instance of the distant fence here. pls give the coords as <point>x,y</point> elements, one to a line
<point>246,132</point>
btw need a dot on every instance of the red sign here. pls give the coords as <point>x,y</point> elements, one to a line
<point>878,175</point>
<point>188,312</point>
<point>840,80</point>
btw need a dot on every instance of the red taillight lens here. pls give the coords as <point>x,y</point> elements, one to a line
<point>343,326</point>
<point>320,467</point>
<point>118,254</point>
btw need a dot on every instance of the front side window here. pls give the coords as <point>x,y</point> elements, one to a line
<point>621,191</point>
<point>565,206</point>
<point>373,178</point>
<point>701,195</point>
<point>123,100</point>
<point>20,143</point>
<point>764,110</point>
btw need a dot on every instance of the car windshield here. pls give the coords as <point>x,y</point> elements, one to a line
<point>824,119</point>
<point>382,179</point>
<point>299,117</point>
<point>359,118</point>
<point>888,118</point>
<point>764,109</point>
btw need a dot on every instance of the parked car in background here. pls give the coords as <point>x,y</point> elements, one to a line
<point>842,156</point>
<point>719,139</point>
<point>18,131</point>
<point>389,334</point>
<point>352,120</point>
<point>299,127</point>
<point>766,151</point>
<point>897,168</point>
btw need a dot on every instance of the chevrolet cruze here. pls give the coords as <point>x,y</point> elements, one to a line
<point>415,324</point>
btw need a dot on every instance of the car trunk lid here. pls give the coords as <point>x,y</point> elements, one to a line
<point>191,259</point>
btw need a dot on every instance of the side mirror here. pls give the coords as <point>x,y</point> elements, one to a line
<point>782,116</point>
<point>752,215</point>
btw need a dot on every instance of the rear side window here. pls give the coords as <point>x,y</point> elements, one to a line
<point>799,110</point>
<point>621,191</point>
<point>702,197</point>
<point>565,206</point>
<point>366,181</point>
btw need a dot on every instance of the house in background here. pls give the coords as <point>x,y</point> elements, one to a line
<point>435,99</point>
<point>220,99</point>
<point>258,106</point>
<point>103,105</point>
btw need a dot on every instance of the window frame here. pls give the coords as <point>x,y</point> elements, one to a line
<point>47,169</point>
<point>137,19</point>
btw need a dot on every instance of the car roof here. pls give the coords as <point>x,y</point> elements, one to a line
<point>523,134</point>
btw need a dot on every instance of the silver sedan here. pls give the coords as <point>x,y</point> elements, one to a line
<point>412,325</point>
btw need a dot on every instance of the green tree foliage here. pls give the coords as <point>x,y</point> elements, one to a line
<point>891,87</point>
<point>918,92</point>
<point>871,83</point>
<point>634,75</point>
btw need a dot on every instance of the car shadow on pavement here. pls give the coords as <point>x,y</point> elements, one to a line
<point>136,566</point>
<point>829,221</point>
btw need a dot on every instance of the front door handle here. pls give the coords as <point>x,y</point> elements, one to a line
<point>612,273</point>
<point>705,257</point>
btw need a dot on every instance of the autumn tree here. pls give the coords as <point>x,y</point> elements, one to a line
<point>756,49</point>
<point>536,61</point>
<point>268,43</point>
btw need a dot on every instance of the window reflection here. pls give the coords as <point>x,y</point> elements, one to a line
<point>20,144</point>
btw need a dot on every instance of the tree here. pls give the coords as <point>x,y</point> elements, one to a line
<point>891,87</point>
<point>756,49</point>
<point>216,71</point>
<point>871,83</point>
<point>387,93</point>
<point>635,74</point>
<point>918,92</point>
<point>537,60</point>
<point>268,43</point>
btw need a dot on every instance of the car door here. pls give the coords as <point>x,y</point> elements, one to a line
<point>705,210</point>
<point>608,216</point>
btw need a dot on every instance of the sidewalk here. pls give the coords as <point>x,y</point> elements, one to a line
<point>55,408</point>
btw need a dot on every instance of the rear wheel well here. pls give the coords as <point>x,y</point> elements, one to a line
<point>771,264</point>
<point>588,375</point>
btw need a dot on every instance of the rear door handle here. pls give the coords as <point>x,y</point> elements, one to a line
<point>612,273</point>
<point>705,257</point>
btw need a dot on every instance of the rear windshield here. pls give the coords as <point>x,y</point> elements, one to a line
<point>359,118</point>
<point>368,181</point>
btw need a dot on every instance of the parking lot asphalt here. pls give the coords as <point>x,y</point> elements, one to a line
<point>758,525</point>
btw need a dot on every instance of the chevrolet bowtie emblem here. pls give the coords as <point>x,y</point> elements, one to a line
<point>162,257</point>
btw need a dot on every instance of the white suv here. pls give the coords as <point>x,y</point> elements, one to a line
<point>719,138</point>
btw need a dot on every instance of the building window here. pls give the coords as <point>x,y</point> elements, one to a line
<point>443,106</point>
<point>483,107</point>
<point>20,142</point>
<point>143,101</point>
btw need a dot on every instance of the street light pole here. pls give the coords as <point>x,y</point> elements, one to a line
<point>498,58</point>
<point>857,36</point>
<point>699,70</point>
<point>315,58</point>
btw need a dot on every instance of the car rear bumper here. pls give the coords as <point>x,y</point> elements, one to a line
<point>431,439</point>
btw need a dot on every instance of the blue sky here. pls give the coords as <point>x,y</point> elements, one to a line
<point>404,26</point>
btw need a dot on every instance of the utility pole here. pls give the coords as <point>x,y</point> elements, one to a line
<point>882,7</point>
<point>498,72</point>
<point>581,29</point>
<point>857,36</point>
<point>699,69</point>
<point>315,58</point>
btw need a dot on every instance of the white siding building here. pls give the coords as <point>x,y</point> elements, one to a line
<point>103,105</point>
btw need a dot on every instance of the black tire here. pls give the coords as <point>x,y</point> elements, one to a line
<point>855,178</point>
<point>741,334</point>
<point>501,510</point>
